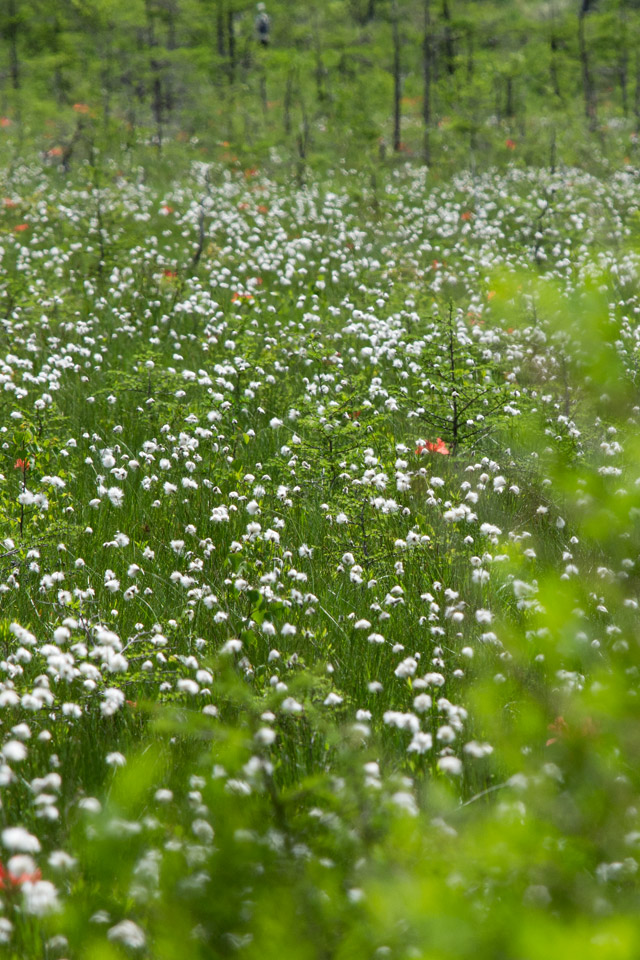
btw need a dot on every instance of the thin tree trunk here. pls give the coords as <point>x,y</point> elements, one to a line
<point>220,30</point>
<point>172,43</point>
<point>426,73</point>
<point>449,50</point>
<point>157,102</point>
<point>508,109</point>
<point>397,79</point>
<point>263,94</point>
<point>587,80</point>
<point>231,41</point>
<point>470,55</point>
<point>320,70</point>
<point>636,98</point>
<point>288,99</point>
<point>623,59</point>
<point>12,36</point>
<point>553,66</point>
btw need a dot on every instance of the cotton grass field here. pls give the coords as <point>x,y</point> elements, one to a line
<point>319,581</point>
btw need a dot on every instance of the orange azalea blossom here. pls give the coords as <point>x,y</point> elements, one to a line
<point>21,227</point>
<point>466,215</point>
<point>562,730</point>
<point>5,122</point>
<point>54,152</point>
<point>21,464</point>
<point>241,296</point>
<point>510,144</point>
<point>9,880</point>
<point>169,274</point>
<point>438,447</point>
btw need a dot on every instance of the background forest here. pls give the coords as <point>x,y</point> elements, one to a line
<point>429,78</point>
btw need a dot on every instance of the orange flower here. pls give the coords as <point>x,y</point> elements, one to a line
<point>54,152</point>
<point>21,227</point>
<point>8,880</point>
<point>438,447</point>
<point>5,122</point>
<point>510,144</point>
<point>21,465</point>
<point>466,215</point>
<point>81,108</point>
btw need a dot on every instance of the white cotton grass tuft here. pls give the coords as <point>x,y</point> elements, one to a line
<point>128,933</point>
<point>40,897</point>
<point>20,840</point>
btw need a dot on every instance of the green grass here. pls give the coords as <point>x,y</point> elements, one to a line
<point>392,692</point>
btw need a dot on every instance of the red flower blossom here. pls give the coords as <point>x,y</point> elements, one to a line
<point>21,227</point>
<point>21,465</point>
<point>510,144</point>
<point>438,447</point>
<point>466,215</point>
<point>5,122</point>
<point>9,880</point>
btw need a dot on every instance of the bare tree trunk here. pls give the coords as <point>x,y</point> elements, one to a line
<point>172,43</point>
<point>320,70</point>
<point>449,50</point>
<point>220,29</point>
<point>12,36</point>
<point>426,73</point>
<point>508,108</point>
<point>288,99</point>
<point>157,102</point>
<point>263,94</point>
<point>587,80</point>
<point>231,41</point>
<point>636,98</point>
<point>397,79</point>
<point>623,59</point>
<point>553,66</point>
